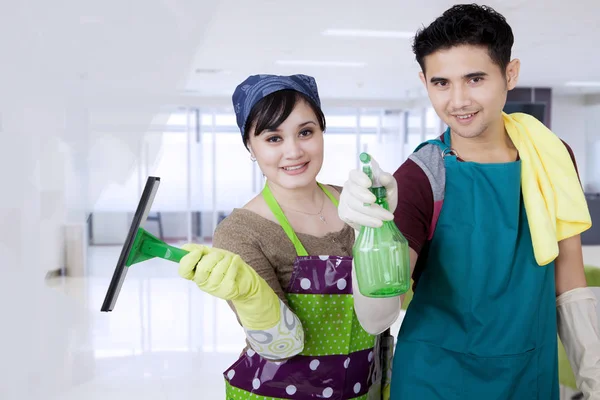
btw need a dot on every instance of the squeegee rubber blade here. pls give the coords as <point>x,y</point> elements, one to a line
<point>139,218</point>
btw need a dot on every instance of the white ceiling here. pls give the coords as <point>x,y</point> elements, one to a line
<point>156,46</point>
<point>555,41</point>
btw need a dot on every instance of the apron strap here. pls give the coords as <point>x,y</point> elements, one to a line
<point>283,221</point>
<point>328,193</point>
<point>444,146</point>
<point>435,142</point>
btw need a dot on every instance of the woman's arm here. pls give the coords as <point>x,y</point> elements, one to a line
<point>288,329</point>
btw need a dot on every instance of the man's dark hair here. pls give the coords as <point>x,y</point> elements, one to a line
<point>466,24</point>
<point>272,110</point>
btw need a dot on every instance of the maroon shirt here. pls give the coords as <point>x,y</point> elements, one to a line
<point>414,212</point>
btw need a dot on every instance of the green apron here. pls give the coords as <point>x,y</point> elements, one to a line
<point>482,323</point>
<point>340,360</point>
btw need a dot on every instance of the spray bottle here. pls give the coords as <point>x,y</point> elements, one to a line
<point>381,255</point>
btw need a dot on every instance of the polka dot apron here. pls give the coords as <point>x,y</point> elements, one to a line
<point>340,360</point>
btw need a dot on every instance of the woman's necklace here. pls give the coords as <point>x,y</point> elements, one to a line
<point>320,213</point>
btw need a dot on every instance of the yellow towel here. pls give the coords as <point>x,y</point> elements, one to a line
<point>554,200</point>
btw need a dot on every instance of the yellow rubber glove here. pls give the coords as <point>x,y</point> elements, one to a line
<point>225,275</point>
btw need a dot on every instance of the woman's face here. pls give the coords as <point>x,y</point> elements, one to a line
<point>290,156</point>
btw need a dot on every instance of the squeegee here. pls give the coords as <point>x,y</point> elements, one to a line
<point>139,245</point>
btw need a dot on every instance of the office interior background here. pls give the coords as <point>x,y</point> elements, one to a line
<point>97,96</point>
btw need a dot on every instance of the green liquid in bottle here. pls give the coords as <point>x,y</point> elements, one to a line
<point>381,255</point>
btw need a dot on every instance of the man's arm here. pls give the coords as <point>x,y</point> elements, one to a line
<point>577,318</point>
<point>569,263</point>
<point>412,213</point>
<point>377,315</point>
<point>569,266</point>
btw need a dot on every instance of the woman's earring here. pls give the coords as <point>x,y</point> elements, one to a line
<point>252,158</point>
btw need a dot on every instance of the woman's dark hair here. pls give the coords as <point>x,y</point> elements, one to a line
<point>272,110</point>
<point>467,24</point>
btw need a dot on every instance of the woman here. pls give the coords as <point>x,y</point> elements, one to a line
<point>283,261</point>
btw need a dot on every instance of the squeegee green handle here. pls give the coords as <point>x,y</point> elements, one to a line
<point>147,246</point>
<point>163,250</point>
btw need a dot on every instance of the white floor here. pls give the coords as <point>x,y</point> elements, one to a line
<point>164,340</point>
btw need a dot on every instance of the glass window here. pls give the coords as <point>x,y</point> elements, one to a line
<point>114,185</point>
<point>432,118</point>
<point>341,121</point>
<point>226,120</point>
<point>340,155</point>
<point>414,119</point>
<point>233,169</point>
<point>177,118</point>
<point>369,121</point>
<point>206,119</point>
<point>222,176</point>
<point>171,167</point>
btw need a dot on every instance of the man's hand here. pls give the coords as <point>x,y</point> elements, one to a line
<point>356,206</point>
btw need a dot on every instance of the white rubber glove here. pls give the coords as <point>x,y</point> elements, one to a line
<point>355,194</point>
<point>579,332</point>
<point>375,315</point>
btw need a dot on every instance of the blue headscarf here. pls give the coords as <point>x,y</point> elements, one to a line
<point>256,87</point>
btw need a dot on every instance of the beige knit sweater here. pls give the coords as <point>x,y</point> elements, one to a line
<point>264,246</point>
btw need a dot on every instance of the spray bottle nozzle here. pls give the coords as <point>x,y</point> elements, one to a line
<point>371,169</point>
<point>365,158</point>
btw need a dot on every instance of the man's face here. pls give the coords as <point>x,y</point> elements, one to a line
<point>467,89</point>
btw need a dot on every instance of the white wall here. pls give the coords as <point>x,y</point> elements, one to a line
<point>592,129</point>
<point>576,120</point>
<point>569,123</point>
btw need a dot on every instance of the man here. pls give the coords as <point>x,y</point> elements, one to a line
<point>492,211</point>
